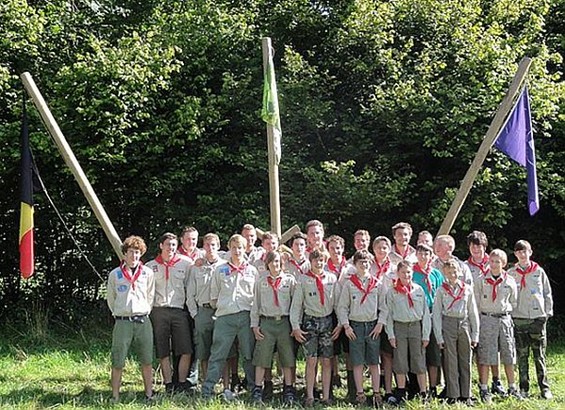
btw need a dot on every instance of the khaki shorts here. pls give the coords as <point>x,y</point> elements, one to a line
<point>497,335</point>
<point>319,341</point>
<point>128,334</point>
<point>409,355</point>
<point>171,328</point>
<point>433,352</point>
<point>203,332</point>
<point>364,349</point>
<point>277,335</point>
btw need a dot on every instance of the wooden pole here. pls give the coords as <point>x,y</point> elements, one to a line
<point>504,108</point>
<point>72,162</point>
<point>274,195</point>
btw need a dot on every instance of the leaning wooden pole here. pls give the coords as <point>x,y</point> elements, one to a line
<point>72,162</point>
<point>272,143</point>
<point>504,108</point>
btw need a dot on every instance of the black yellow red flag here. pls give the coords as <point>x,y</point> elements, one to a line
<point>26,207</point>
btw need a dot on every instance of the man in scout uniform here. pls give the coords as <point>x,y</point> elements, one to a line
<point>131,288</point>
<point>297,264</point>
<point>188,244</point>
<point>402,250</point>
<point>443,248</point>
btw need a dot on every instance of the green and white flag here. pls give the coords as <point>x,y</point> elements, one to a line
<point>270,111</point>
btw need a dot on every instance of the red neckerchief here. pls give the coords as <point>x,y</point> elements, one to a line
<point>167,265</point>
<point>382,269</point>
<point>495,283</point>
<point>296,264</point>
<point>184,252</point>
<point>370,286</point>
<point>336,269</point>
<point>426,274</point>
<point>239,269</point>
<point>482,265</point>
<point>405,290</point>
<point>136,274</point>
<point>319,285</point>
<point>274,284</point>
<point>403,254</point>
<point>532,267</point>
<point>457,297</point>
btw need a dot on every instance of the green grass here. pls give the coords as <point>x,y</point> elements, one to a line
<point>67,369</point>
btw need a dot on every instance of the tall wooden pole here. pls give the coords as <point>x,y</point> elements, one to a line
<point>504,108</point>
<point>72,162</point>
<point>274,195</point>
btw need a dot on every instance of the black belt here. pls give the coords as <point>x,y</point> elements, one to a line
<point>277,318</point>
<point>497,315</point>
<point>206,305</point>
<point>136,319</point>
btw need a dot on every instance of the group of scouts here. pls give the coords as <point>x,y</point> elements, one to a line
<point>416,312</point>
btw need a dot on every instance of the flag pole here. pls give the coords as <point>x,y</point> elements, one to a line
<point>72,162</point>
<point>492,132</point>
<point>274,195</point>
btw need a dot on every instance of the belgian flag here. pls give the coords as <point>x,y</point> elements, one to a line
<point>26,216</point>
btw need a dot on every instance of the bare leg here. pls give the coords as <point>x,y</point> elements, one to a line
<point>260,373</point>
<point>509,370</point>
<point>166,372</point>
<point>387,371</point>
<point>184,365</point>
<point>358,376</point>
<point>116,381</point>
<point>422,382</point>
<point>147,376</point>
<point>326,377</point>
<point>375,377</point>
<point>483,373</point>
<point>311,364</point>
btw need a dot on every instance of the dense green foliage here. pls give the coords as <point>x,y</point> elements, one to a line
<point>383,106</point>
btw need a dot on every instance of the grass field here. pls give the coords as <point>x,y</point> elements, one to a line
<point>65,368</point>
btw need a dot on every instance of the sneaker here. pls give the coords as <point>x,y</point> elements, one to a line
<point>497,388</point>
<point>268,390</point>
<point>257,395</point>
<point>433,392</point>
<point>170,387</point>
<point>486,396</point>
<point>513,392</point>
<point>228,395</point>
<point>289,395</point>
<point>546,394</point>
<point>390,399</point>
<point>467,401</point>
<point>524,393</point>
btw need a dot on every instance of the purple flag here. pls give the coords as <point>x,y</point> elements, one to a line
<point>516,140</point>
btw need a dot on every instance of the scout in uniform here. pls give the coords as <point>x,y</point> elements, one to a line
<point>496,295</point>
<point>361,242</point>
<point>131,288</point>
<point>408,329</point>
<point>189,243</point>
<point>312,322</point>
<point>402,250</point>
<point>456,325</point>
<point>231,293</point>
<point>535,306</point>
<point>297,264</point>
<point>385,272</point>
<point>425,238</point>
<point>271,325</point>
<point>362,313</point>
<point>269,243</point>
<point>199,304</point>
<point>430,280</point>
<point>315,235</point>
<point>443,248</point>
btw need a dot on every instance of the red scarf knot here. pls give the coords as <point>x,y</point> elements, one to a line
<point>405,290</point>
<point>168,264</point>
<point>494,283</point>
<point>482,265</point>
<point>319,285</point>
<point>131,278</point>
<point>370,286</point>
<point>531,268</point>
<point>382,269</point>
<point>336,269</point>
<point>457,297</point>
<point>426,273</point>
<point>274,284</point>
<point>238,269</point>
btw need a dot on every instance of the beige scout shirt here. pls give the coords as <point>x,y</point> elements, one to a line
<point>396,257</point>
<point>171,291</point>
<point>125,299</point>
<point>306,300</point>
<point>476,271</point>
<point>351,305</point>
<point>199,284</point>
<point>506,295</point>
<point>535,299</point>
<point>386,273</point>
<point>399,310</point>
<point>264,303</point>
<point>232,290</point>
<point>464,271</point>
<point>297,268</point>
<point>462,306</point>
<point>192,256</point>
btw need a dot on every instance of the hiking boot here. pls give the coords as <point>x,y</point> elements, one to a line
<point>257,395</point>
<point>497,388</point>
<point>268,390</point>
<point>486,396</point>
<point>513,392</point>
<point>546,394</point>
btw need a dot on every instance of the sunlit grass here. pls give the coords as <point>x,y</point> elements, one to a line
<point>69,369</point>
